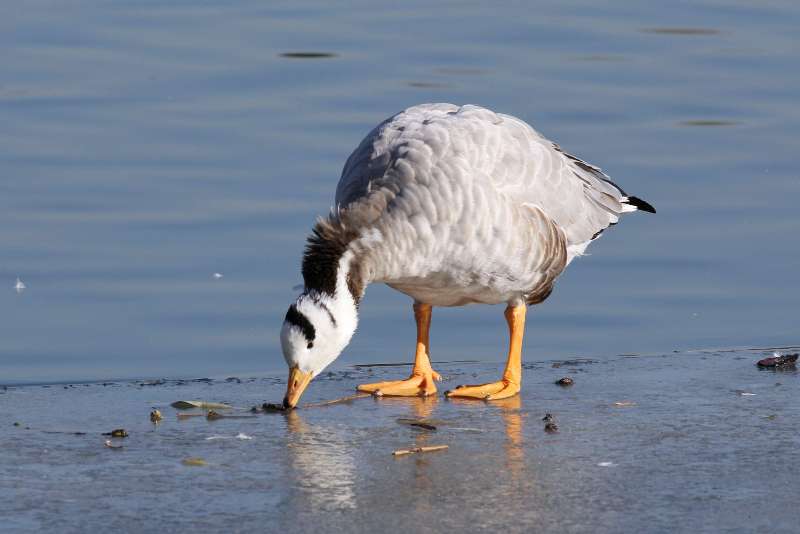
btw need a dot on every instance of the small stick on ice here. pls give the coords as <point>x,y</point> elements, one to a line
<point>212,416</point>
<point>336,401</point>
<point>415,450</point>
<point>274,407</point>
<point>186,405</point>
<point>188,415</point>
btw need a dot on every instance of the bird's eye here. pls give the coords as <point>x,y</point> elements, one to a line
<point>310,344</point>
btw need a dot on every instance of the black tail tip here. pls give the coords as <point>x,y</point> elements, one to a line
<point>640,204</point>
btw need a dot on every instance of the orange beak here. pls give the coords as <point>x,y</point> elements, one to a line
<point>298,382</point>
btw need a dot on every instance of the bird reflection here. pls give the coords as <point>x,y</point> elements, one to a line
<point>324,463</point>
<point>512,420</point>
<point>418,472</point>
<point>512,464</point>
<point>421,409</point>
<point>324,457</point>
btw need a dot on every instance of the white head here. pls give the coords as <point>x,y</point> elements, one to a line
<point>315,331</point>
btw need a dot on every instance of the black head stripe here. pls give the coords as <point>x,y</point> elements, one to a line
<point>298,319</point>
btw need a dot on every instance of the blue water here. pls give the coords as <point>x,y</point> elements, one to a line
<point>144,147</point>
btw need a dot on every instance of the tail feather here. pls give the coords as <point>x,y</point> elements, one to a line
<point>638,204</point>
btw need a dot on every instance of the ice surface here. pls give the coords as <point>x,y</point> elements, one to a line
<point>691,455</point>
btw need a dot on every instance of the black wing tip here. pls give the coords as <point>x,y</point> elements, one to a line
<point>640,204</point>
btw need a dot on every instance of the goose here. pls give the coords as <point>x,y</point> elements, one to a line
<point>451,205</point>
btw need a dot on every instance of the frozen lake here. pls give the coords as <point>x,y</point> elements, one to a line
<point>679,442</point>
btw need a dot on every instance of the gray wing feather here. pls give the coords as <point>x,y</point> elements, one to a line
<point>578,196</point>
<point>374,155</point>
<point>519,161</point>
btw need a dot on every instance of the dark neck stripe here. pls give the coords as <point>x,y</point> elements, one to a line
<point>325,247</point>
<point>296,318</point>
<point>330,315</point>
<point>318,301</point>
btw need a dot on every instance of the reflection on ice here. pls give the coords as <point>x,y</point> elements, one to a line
<point>322,463</point>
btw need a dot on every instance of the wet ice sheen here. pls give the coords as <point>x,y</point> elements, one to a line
<point>692,455</point>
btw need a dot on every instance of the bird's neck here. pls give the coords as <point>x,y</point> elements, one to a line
<point>331,265</point>
<point>332,272</point>
<point>345,300</point>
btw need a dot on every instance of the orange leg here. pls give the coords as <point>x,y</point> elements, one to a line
<point>509,385</point>
<point>421,381</point>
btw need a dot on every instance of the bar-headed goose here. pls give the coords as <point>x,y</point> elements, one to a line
<point>450,205</point>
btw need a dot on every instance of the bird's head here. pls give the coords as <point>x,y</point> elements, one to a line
<point>315,331</point>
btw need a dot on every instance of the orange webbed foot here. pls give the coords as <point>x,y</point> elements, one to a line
<point>420,383</point>
<point>502,389</point>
